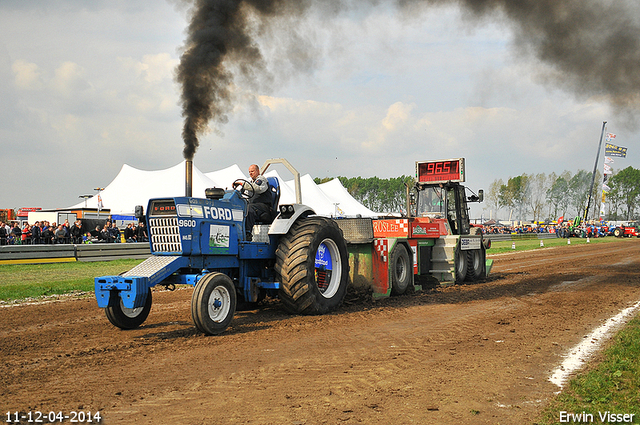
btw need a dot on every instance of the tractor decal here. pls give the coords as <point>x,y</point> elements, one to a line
<point>323,267</point>
<point>219,238</point>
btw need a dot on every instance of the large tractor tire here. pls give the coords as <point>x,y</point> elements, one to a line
<point>617,233</point>
<point>312,262</point>
<point>213,303</point>
<point>400,270</point>
<point>127,318</point>
<point>462,264</point>
<point>475,264</point>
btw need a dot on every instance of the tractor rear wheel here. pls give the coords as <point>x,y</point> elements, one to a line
<point>475,269</point>
<point>213,303</point>
<point>127,318</point>
<point>617,233</point>
<point>312,262</point>
<point>400,270</point>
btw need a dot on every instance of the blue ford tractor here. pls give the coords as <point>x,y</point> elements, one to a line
<point>298,256</point>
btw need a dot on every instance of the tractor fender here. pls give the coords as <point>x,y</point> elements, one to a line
<point>288,214</point>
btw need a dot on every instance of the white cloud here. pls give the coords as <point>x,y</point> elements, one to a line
<point>69,79</point>
<point>27,75</point>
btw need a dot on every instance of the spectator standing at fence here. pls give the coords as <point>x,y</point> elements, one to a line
<point>128,233</point>
<point>3,234</point>
<point>60,234</point>
<point>17,234</point>
<point>105,234</point>
<point>26,234</point>
<point>114,232</point>
<point>36,232</point>
<point>141,233</point>
<point>46,233</point>
<point>76,232</point>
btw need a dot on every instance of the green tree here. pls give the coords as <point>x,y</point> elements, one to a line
<point>492,197</point>
<point>579,186</point>
<point>513,194</point>
<point>380,195</point>
<point>558,195</point>
<point>535,194</point>
<point>626,185</point>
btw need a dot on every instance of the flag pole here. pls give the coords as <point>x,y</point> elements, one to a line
<point>595,167</point>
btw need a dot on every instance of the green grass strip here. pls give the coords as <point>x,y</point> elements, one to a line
<point>24,281</point>
<point>499,247</point>
<point>613,385</point>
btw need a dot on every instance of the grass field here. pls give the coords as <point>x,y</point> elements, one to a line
<point>24,281</point>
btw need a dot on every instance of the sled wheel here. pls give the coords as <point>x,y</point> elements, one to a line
<point>312,262</point>
<point>127,318</point>
<point>213,303</point>
<point>400,270</point>
<point>461,265</point>
<point>475,269</point>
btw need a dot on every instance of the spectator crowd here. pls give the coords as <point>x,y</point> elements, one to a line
<point>43,232</point>
<point>519,230</point>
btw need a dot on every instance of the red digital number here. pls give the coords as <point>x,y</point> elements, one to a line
<point>430,168</point>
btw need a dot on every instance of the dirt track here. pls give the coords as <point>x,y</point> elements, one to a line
<point>469,354</point>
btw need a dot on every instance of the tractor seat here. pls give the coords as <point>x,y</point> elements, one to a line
<point>274,191</point>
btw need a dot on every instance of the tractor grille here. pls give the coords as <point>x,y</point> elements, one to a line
<point>165,234</point>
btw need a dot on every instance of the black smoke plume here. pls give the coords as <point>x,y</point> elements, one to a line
<point>592,47</point>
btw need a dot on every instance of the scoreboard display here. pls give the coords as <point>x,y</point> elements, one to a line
<point>449,170</point>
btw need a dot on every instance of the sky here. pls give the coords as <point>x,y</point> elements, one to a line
<point>87,86</point>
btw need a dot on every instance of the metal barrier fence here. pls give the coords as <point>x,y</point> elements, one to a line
<point>516,237</point>
<point>35,254</point>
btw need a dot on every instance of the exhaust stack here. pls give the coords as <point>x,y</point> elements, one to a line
<point>188,177</point>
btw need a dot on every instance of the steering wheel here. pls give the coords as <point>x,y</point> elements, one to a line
<point>244,193</point>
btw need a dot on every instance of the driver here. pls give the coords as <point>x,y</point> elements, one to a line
<point>259,201</point>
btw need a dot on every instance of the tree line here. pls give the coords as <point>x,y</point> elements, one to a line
<point>528,196</point>
<point>379,195</point>
<point>541,196</point>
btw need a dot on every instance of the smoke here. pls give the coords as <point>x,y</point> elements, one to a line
<point>590,47</point>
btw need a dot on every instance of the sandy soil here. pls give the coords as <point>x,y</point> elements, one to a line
<point>467,354</point>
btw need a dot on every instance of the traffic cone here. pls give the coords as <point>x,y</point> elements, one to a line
<point>568,241</point>
<point>541,243</point>
<point>513,245</point>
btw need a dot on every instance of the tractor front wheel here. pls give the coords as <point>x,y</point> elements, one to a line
<point>213,303</point>
<point>127,318</point>
<point>312,262</point>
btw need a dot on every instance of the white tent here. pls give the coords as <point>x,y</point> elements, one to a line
<point>133,187</point>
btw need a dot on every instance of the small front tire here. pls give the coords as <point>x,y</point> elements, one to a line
<point>213,303</point>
